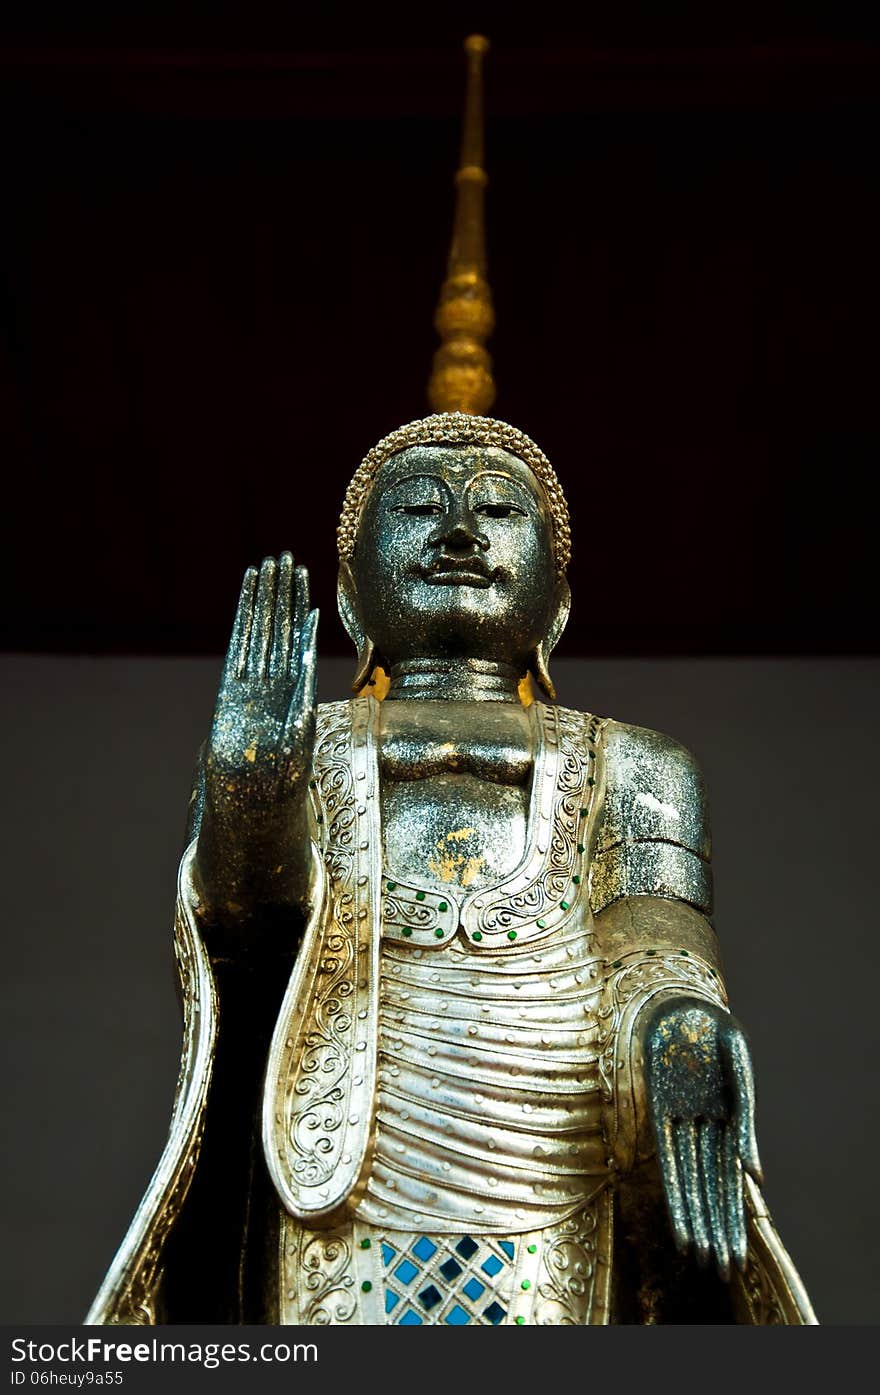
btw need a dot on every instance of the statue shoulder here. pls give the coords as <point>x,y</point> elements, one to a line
<point>653,815</point>
<point>654,787</point>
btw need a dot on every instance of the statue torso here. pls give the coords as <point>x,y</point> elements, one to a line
<point>455,787</point>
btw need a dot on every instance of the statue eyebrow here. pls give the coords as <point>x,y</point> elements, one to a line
<point>519,485</point>
<point>411,479</point>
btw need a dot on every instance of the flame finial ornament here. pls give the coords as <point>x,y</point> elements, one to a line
<point>461,380</point>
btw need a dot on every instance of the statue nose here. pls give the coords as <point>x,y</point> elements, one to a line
<point>459,531</point>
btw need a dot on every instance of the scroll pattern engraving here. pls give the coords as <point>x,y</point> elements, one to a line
<point>571,740</point>
<point>320,1085</point>
<point>420,915</point>
<point>322,1102</point>
<point>327,1291</point>
<point>572,1254</point>
<point>765,1307</point>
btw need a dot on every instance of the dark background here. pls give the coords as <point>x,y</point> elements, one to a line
<point>225,229</point>
<point>222,236</point>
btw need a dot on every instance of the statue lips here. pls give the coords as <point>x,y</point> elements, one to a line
<point>460,571</point>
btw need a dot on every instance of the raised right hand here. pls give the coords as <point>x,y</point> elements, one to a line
<point>260,749</point>
<point>251,848</point>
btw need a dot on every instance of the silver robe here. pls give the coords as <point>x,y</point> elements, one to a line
<point>451,1107</point>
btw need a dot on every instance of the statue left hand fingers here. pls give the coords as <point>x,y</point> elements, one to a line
<point>673,1186</point>
<point>734,1212</point>
<point>740,1080</point>
<point>713,1192</point>
<point>686,1148</point>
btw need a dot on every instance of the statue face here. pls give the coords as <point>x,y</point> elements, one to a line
<point>454,556</point>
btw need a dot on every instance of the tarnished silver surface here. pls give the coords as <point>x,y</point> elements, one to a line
<point>654,838</point>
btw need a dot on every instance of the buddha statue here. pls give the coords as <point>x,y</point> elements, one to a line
<point>457,1045</point>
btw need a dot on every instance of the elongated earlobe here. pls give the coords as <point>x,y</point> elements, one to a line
<point>540,659</point>
<point>346,595</point>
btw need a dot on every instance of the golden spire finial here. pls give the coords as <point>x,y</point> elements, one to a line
<point>461,380</point>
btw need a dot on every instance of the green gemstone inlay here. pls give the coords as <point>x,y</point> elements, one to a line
<point>511,934</point>
<point>590,780</point>
<point>532,1249</point>
<point>420,896</point>
<point>519,1321</point>
<point>406,931</point>
<point>443,906</point>
<point>576,879</point>
<point>563,905</point>
<point>366,1286</point>
<point>478,934</point>
<point>439,933</point>
<point>365,1244</point>
<point>391,885</point>
<point>685,953</point>
<point>584,813</point>
<point>542,924</point>
<point>651,953</point>
<point>581,847</point>
<point>526,1283</point>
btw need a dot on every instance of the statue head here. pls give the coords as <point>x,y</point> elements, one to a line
<point>453,543</point>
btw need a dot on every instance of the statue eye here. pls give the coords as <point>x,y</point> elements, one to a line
<point>498,510</point>
<point>419,510</point>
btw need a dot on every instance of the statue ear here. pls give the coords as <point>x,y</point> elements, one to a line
<point>538,663</point>
<point>349,614</point>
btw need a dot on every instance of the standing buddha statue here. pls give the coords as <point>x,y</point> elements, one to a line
<point>457,1045</point>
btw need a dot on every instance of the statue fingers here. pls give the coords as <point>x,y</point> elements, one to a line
<point>672,1184</point>
<point>261,632</point>
<point>302,705</point>
<point>282,623</point>
<point>686,1148</point>
<point>741,1080</point>
<point>300,599</point>
<point>734,1212</point>
<point>713,1192</point>
<point>239,640</point>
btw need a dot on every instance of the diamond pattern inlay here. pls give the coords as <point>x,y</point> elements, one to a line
<point>447,1280</point>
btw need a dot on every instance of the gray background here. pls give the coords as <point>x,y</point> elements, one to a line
<point>98,755</point>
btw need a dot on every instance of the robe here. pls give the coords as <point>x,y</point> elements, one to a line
<point>449,1124</point>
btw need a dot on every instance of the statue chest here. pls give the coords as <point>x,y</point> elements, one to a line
<point>455,789</point>
<point>338,1020</point>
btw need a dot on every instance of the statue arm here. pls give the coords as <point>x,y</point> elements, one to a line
<point>250,809</point>
<point>683,1077</point>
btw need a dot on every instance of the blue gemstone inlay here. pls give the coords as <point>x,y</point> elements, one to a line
<point>473,1289</point>
<point>467,1247</point>
<point>423,1248</point>
<point>507,1247</point>
<point>457,1317</point>
<point>494,1313</point>
<point>430,1297</point>
<point>391,1300</point>
<point>388,1252</point>
<point>406,1271</point>
<point>450,1270</point>
<point>410,1319</point>
<point>491,1266</point>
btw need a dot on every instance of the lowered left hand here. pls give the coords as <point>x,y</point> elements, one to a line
<point>702,1101</point>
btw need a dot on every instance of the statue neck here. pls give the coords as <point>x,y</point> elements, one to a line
<point>453,680</point>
